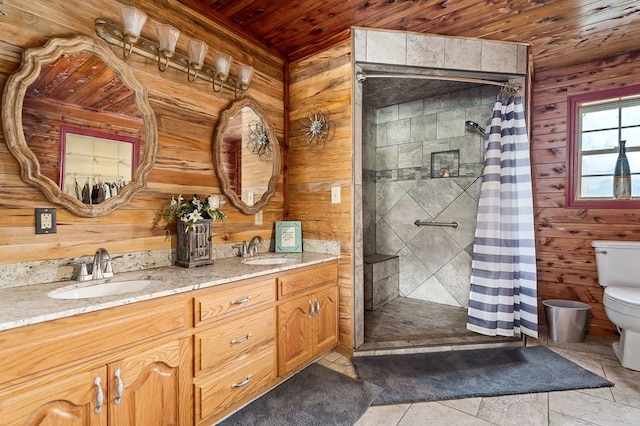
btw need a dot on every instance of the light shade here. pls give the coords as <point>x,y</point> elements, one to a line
<point>245,74</point>
<point>167,37</point>
<point>197,50</point>
<point>222,64</point>
<point>132,20</point>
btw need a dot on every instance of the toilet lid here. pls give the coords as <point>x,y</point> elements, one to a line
<point>630,295</point>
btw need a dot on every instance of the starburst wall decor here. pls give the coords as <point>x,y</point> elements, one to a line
<point>259,140</point>
<point>316,127</point>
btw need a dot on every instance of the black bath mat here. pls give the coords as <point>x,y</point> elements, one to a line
<point>474,373</point>
<point>317,396</point>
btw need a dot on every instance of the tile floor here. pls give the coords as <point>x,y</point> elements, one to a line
<point>619,405</point>
<point>414,325</point>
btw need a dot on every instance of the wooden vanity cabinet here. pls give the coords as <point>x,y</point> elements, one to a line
<point>307,316</point>
<point>245,333</point>
<point>119,366</point>
<point>140,390</point>
<point>234,346</point>
<point>180,360</point>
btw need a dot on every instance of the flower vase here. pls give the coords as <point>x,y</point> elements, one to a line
<point>622,175</point>
<point>194,245</point>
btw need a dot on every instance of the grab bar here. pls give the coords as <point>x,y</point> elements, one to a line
<point>453,224</point>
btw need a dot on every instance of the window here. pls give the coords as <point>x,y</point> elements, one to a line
<point>596,123</point>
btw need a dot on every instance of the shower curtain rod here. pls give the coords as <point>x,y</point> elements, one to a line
<point>363,76</point>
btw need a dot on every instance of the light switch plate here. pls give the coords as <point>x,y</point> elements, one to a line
<point>45,221</point>
<point>258,218</point>
<point>335,195</point>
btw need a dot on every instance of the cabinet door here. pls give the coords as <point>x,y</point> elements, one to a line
<point>63,399</point>
<point>144,389</point>
<point>326,320</point>
<point>294,333</point>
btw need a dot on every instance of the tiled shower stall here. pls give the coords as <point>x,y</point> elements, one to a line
<point>419,162</point>
<point>405,147</point>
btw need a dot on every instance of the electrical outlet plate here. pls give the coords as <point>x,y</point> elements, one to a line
<point>45,221</point>
<point>258,218</point>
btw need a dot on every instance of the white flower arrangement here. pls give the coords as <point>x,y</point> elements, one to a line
<point>194,210</point>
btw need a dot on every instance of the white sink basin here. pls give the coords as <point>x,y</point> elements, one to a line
<point>269,261</point>
<point>101,290</point>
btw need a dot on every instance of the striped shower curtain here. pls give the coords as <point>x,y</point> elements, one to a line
<point>503,298</point>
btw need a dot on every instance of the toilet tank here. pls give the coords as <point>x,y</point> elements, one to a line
<point>618,262</point>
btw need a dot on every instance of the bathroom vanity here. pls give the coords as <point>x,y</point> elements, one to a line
<point>190,351</point>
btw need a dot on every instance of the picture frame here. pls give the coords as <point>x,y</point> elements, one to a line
<point>288,237</point>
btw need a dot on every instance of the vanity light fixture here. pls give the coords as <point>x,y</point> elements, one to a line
<point>245,74</point>
<point>163,51</point>
<point>197,50</point>
<point>168,38</point>
<point>222,64</point>
<point>132,22</point>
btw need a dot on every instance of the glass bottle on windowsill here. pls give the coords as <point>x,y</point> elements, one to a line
<point>622,175</point>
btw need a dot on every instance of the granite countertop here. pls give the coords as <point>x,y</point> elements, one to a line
<point>20,306</point>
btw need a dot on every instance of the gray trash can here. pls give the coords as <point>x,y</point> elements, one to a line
<point>567,320</point>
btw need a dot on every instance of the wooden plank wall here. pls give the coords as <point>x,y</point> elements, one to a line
<point>187,114</point>
<point>325,79</point>
<point>566,262</point>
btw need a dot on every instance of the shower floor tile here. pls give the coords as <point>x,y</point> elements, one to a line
<point>412,325</point>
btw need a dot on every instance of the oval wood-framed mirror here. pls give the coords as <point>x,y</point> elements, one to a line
<point>79,80</point>
<point>246,156</point>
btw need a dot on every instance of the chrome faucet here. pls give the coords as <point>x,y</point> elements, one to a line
<point>253,248</point>
<point>242,249</point>
<point>98,272</point>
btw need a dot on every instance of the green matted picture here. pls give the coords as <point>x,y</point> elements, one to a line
<point>289,237</point>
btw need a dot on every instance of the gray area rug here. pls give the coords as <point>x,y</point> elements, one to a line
<point>317,396</point>
<point>473,373</point>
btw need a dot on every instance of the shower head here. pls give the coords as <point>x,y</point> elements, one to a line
<point>472,125</point>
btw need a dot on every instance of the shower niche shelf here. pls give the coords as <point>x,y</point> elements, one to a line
<point>445,164</point>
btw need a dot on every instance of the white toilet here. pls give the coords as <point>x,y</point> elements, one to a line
<point>618,264</point>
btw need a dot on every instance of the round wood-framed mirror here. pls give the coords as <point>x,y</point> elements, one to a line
<point>246,156</point>
<point>79,87</point>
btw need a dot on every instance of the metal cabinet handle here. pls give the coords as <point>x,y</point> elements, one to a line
<point>317,307</point>
<point>119,387</point>
<point>244,339</point>
<point>311,309</point>
<point>241,301</point>
<point>99,396</point>
<point>245,382</point>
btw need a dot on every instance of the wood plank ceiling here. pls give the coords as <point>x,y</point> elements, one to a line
<point>82,79</point>
<point>561,32</point>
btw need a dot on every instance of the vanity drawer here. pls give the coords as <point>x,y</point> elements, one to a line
<point>235,339</point>
<point>307,278</point>
<point>243,380</point>
<point>221,303</point>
